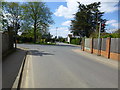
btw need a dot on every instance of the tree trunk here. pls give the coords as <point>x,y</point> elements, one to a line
<point>35,31</point>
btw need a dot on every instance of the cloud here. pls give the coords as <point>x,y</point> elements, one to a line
<point>111,30</point>
<point>68,11</point>
<point>108,7</point>
<point>72,7</point>
<point>61,31</point>
<point>113,23</point>
<point>67,23</point>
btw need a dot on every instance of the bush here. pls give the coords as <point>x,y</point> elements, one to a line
<point>113,35</point>
<point>75,41</point>
<point>105,35</point>
<point>24,39</point>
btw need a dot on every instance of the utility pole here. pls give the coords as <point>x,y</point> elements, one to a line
<point>56,31</point>
<point>56,34</point>
<point>99,39</point>
<point>99,31</point>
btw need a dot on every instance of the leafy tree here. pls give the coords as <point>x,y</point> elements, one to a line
<point>60,39</point>
<point>47,37</point>
<point>112,35</point>
<point>12,13</point>
<point>3,20</point>
<point>86,19</point>
<point>28,33</point>
<point>37,16</point>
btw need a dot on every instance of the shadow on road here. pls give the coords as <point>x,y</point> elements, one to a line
<point>39,53</point>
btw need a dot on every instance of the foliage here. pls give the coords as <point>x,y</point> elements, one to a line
<point>28,33</point>
<point>75,41</point>
<point>11,15</point>
<point>21,39</point>
<point>86,19</point>
<point>112,35</point>
<point>31,18</point>
<point>61,39</point>
<point>47,37</point>
<point>37,16</point>
<point>105,35</point>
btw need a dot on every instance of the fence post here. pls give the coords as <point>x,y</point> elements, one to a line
<point>91,45</point>
<point>99,46</point>
<point>83,44</point>
<point>108,43</point>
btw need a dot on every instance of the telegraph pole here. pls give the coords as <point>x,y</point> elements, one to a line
<point>56,34</point>
<point>56,31</point>
<point>99,39</point>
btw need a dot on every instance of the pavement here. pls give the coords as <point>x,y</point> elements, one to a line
<point>65,66</point>
<point>0,60</point>
<point>100,59</point>
<point>11,66</point>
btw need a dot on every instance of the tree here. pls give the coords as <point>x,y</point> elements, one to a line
<point>11,16</point>
<point>12,12</point>
<point>61,39</point>
<point>86,19</point>
<point>3,20</point>
<point>2,23</point>
<point>47,37</point>
<point>37,16</point>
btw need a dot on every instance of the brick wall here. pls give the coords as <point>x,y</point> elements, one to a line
<point>0,47</point>
<point>0,60</point>
<point>7,42</point>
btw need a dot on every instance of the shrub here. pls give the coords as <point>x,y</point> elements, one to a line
<point>75,41</point>
<point>113,35</point>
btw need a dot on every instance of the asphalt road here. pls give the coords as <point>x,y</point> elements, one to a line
<point>59,67</point>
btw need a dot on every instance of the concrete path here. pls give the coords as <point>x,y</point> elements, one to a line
<point>61,66</point>
<point>11,66</point>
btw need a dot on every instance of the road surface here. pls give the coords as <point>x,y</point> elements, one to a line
<point>50,66</point>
